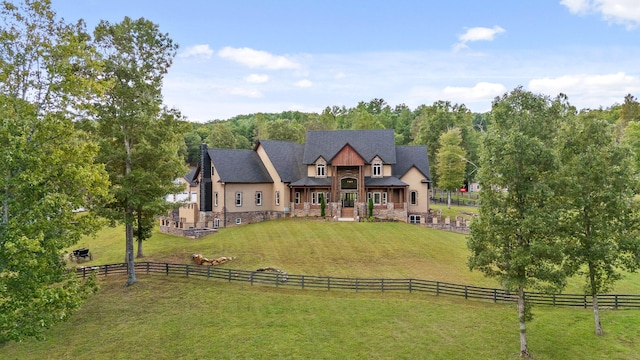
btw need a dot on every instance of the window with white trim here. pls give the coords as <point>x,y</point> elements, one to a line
<point>238,198</point>
<point>384,198</point>
<point>413,197</point>
<point>321,170</point>
<point>215,199</point>
<point>277,197</point>
<point>297,197</point>
<point>376,169</point>
<point>238,221</point>
<point>216,223</point>
<point>414,219</point>
<point>259,198</point>
<point>377,198</point>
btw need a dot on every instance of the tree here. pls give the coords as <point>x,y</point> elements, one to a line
<point>139,139</point>
<point>323,205</point>
<point>629,112</point>
<point>515,237</point>
<point>451,162</point>
<point>47,166</point>
<point>285,130</point>
<point>598,218</point>
<point>221,137</point>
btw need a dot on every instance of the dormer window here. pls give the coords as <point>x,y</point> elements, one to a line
<point>376,168</point>
<point>321,168</point>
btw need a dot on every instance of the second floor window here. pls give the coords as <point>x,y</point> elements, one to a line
<point>377,170</point>
<point>215,198</point>
<point>413,198</point>
<point>321,170</point>
<point>238,199</point>
<point>277,197</point>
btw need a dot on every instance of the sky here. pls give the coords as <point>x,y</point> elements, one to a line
<point>248,56</point>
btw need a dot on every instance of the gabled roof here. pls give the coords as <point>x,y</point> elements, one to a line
<point>410,156</point>
<point>286,157</point>
<point>239,166</point>
<point>367,143</point>
<point>191,176</point>
<point>312,181</point>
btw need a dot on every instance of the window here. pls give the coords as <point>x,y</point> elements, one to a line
<point>215,199</point>
<point>258,198</point>
<point>216,223</point>
<point>384,198</point>
<point>413,197</point>
<point>414,219</point>
<point>314,198</point>
<point>238,198</point>
<point>321,170</point>
<point>212,171</point>
<point>377,197</point>
<point>376,170</point>
<point>238,221</point>
<point>297,197</point>
<point>277,197</point>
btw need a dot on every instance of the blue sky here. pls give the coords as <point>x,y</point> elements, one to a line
<point>247,56</point>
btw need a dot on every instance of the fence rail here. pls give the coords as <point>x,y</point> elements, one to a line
<point>615,301</point>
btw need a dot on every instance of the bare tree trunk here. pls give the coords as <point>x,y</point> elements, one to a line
<point>524,348</point>
<point>140,253</point>
<point>596,315</point>
<point>129,255</point>
<point>448,199</point>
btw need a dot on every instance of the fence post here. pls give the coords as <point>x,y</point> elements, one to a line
<point>106,268</point>
<point>410,285</point>
<point>229,271</point>
<point>356,284</point>
<point>616,301</point>
<point>495,295</point>
<point>382,284</point>
<point>167,267</point>
<point>187,269</point>
<point>251,278</point>
<point>147,267</point>
<point>554,299</point>
<point>585,301</point>
<point>437,287</point>
<point>277,279</point>
<point>84,272</point>
<point>302,281</point>
<point>465,291</point>
<point>328,283</point>
<point>208,272</point>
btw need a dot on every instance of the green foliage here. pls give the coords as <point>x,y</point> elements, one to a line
<point>370,207</point>
<point>450,159</point>
<point>323,205</point>
<point>47,166</point>
<point>600,215</point>
<point>139,139</point>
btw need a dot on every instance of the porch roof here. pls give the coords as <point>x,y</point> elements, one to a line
<point>383,181</point>
<point>312,181</point>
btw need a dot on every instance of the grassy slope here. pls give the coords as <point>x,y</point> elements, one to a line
<point>174,317</point>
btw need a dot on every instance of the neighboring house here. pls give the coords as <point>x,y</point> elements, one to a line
<point>345,167</point>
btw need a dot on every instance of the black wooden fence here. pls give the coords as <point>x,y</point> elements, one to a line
<point>614,301</point>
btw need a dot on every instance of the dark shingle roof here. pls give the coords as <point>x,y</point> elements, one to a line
<point>409,156</point>
<point>311,181</point>
<point>239,166</point>
<point>384,181</point>
<point>191,176</point>
<point>367,143</point>
<point>286,157</point>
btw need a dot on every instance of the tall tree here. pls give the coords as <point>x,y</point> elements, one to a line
<point>599,214</point>
<point>629,112</point>
<point>515,237</point>
<point>451,162</point>
<point>432,121</point>
<point>139,139</point>
<point>221,136</point>
<point>47,167</point>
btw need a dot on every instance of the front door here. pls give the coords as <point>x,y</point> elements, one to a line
<point>348,199</point>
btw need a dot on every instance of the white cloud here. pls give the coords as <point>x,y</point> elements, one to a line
<point>587,90</point>
<point>203,51</point>
<point>257,78</point>
<point>245,92</point>
<point>626,12</point>
<point>478,34</point>
<point>481,91</point>
<point>257,59</point>
<point>304,83</point>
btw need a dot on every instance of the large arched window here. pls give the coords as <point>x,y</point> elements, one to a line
<point>349,183</point>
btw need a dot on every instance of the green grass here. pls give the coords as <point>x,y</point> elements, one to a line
<point>182,318</point>
<point>179,318</point>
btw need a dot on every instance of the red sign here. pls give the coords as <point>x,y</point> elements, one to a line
<point>463,190</point>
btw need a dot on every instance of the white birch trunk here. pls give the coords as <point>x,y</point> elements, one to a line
<point>596,315</point>
<point>524,348</point>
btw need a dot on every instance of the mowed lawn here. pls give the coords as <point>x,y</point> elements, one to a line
<point>184,318</point>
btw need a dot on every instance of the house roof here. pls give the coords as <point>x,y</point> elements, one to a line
<point>286,157</point>
<point>411,156</point>
<point>191,176</point>
<point>239,166</point>
<point>367,143</point>
<point>383,181</point>
<point>312,181</point>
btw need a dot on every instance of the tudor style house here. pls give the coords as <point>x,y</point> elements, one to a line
<point>342,168</point>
